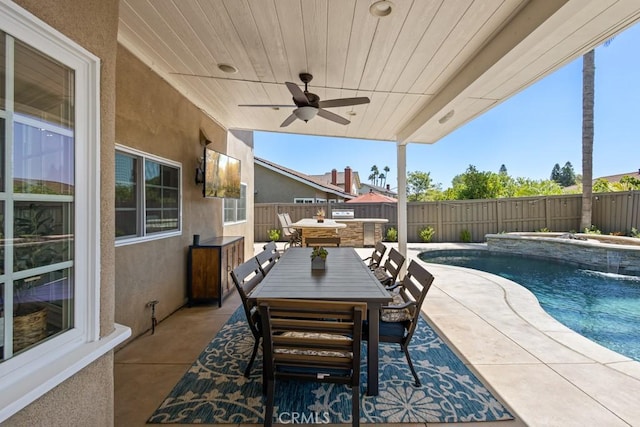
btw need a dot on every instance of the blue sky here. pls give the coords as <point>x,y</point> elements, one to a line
<point>529,133</point>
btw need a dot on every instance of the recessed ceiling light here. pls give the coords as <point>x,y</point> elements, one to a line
<point>226,68</point>
<point>381,8</point>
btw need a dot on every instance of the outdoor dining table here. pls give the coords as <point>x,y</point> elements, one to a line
<point>345,278</point>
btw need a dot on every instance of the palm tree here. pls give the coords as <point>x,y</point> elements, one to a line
<point>374,174</point>
<point>588,89</point>
<point>386,174</point>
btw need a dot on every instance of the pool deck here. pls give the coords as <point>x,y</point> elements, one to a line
<point>544,372</point>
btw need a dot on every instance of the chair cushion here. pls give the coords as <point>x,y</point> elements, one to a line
<point>311,352</point>
<point>399,315</point>
<point>381,273</point>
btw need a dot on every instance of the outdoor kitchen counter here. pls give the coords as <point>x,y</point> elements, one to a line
<point>361,232</point>
<point>353,232</point>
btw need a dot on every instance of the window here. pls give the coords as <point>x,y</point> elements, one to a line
<point>308,200</point>
<point>150,210</point>
<point>38,194</point>
<point>235,210</point>
<point>49,210</point>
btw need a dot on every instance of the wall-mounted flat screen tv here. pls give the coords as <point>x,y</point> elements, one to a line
<point>221,175</point>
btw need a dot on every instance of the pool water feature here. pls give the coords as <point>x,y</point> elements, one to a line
<point>604,307</point>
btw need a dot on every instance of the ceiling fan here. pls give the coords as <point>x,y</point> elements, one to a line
<point>308,105</point>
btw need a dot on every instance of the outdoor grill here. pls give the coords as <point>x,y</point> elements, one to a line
<point>342,214</point>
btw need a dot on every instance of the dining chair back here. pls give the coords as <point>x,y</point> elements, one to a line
<point>387,274</point>
<point>273,247</point>
<point>375,260</point>
<point>292,235</point>
<point>312,340</point>
<point>246,277</point>
<point>268,257</point>
<point>399,319</point>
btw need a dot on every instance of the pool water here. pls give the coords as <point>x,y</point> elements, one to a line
<point>603,307</point>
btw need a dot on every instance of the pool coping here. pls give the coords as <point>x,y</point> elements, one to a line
<point>543,371</point>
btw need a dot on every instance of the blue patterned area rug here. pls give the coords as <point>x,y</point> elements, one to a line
<point>214,390</point>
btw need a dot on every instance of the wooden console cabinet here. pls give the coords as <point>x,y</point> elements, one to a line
<point>208,268</point>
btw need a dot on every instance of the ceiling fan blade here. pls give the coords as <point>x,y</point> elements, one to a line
<point>333,117</point>
<point>343,102</point>
<point>288,120</point>
<point>298,95</point>
<point>265,105</point>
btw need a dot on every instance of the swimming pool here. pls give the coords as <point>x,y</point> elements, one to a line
<point>603,307</point>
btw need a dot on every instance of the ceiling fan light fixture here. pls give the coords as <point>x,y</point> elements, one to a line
<point>226,68</point>
<point>381,8</point>
<point>305,113</point>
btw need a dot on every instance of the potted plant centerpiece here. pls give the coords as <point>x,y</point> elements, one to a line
<point>318,258</point>
<point>320,215</point>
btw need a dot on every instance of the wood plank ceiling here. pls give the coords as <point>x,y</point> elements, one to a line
<point>428,67</point>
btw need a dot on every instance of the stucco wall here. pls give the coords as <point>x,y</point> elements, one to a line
<point>153,117</point>
<point>87,398</point>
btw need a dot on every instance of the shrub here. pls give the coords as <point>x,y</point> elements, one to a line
<point>635,233</point>
<point>426,233</point>
<point>544,230</point>
<point>392,235</point>
<point>465,236</point>
<point>274,234</point>
<point>592,230</point>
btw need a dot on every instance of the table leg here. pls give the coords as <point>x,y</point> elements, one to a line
<point>373,314</point>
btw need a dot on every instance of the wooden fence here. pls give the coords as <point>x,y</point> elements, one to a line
<point>612,213</point>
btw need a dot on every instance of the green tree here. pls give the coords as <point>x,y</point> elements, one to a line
<point>601,186</point>
<point>474,184</point>
<point>524,187</point>
<point>418,186</point>
<point>567,175</point>
<point>374,174</point>
<point>386,174</point>
<point>629,183</point>
<point>503,170</point>
<point>556,174</point>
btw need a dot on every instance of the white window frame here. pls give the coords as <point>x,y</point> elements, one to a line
<point>235,207</point>
<point>141,208</point>
<point>304,200</point>
<point>29,375</point>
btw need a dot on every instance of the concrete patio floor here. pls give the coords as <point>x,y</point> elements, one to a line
<point>546,374</point>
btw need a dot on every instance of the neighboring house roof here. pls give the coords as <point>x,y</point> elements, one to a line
<point>372,197</point>
<point>616,178</point>
<point>326,177</point>
<point>610,178</point>
<point>305,179</point>
<point>365,188</point>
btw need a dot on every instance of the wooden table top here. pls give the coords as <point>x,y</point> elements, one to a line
<point>346,278</point>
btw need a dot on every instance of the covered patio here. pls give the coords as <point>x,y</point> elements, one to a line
<point>546,374</point>
<point>427,67</point>
<point>159,80</point>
